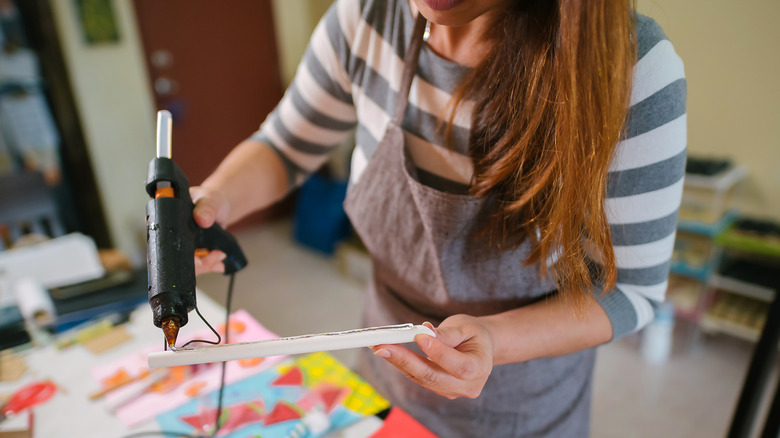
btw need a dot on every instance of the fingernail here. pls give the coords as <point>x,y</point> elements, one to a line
<point>382,353</point>
<point>424,341</point>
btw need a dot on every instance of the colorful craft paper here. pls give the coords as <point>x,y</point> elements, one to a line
<point>181,384</point>
<point>303,397</point>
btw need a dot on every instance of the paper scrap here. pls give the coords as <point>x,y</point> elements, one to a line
<point>399,423</point>
<point>106,341</point>
<point>15,434</point>
<point>145,406</point>
<point>12,367</point>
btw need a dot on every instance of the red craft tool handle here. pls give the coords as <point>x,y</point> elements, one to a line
<point>29,396</point>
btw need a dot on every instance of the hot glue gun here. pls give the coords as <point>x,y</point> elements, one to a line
<point>172,238</point>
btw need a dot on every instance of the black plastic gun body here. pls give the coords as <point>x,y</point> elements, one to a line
<point>172,237</point>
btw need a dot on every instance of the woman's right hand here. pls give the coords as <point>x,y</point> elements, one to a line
<point>210,207</point>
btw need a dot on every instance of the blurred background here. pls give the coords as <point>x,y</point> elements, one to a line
<point>81,81</point>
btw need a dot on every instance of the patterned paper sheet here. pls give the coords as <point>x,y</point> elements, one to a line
<point>182,384</point>
<point>302,397</point>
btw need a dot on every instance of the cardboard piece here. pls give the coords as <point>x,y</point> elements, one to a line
<point>106,341</point>
<point>16,434</point>
<point>12,367</point>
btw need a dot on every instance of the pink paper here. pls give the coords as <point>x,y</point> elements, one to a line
<point>202,380</point>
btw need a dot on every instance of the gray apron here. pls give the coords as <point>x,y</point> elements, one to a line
<point>430,264</point>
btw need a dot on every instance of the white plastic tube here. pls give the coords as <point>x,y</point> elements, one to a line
<point>164,127</point>
<point>34,302</point>
<point>367,337</point>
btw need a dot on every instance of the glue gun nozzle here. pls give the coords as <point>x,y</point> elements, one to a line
<point>170,327</point>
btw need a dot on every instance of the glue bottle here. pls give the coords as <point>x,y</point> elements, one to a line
<point>657,336</point>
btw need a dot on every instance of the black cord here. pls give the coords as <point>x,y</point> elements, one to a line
<point>203,341</point>
<point>219,338</point>
<point>165,433</point>
<point>228,303</point>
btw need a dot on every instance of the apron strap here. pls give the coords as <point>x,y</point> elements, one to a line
<point>410,66</point>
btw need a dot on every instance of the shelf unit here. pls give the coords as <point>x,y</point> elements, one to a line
<point>735,239</point>
<point>720,182</point>
<point>750,262</point>
<point>712,324</point>
<point>708,258</point>
<point>706,198</point>
<point>700,273</point>
<point>712,230</point>
<point>706,212</point>
<point>741,287</point>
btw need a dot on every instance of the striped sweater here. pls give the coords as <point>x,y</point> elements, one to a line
<point>348,82</point>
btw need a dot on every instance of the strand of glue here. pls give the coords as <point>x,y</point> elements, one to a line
<point>217,424</point>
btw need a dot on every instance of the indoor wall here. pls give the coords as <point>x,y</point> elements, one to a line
<point>733,95</point>
<point>731,63</point>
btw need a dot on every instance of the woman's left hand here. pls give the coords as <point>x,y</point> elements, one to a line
<point>460,357</point>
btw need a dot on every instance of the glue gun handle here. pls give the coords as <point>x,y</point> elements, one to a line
<point>215,237</point>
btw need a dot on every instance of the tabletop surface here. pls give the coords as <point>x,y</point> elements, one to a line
<point>70,412</point>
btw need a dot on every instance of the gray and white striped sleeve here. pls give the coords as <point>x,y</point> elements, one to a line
<point>645,182</point>
<point>317,112</point>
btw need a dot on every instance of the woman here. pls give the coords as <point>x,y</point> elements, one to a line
<point>516,180</point>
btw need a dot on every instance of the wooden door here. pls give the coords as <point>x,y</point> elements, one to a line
<point>214,65</point>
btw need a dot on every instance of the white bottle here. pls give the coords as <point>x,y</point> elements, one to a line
<point>657,336</point>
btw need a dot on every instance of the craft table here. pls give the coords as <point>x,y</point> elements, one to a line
<point>70,412</point>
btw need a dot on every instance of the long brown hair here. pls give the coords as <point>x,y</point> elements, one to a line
<point>551,101</point>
